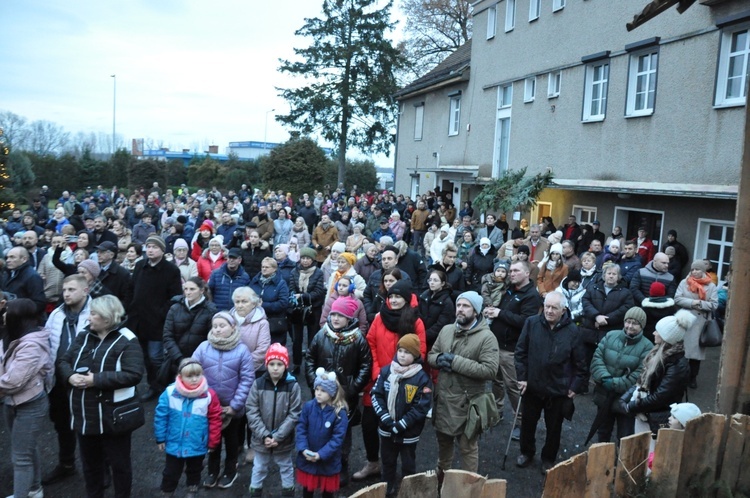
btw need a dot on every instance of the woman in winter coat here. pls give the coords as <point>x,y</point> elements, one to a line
<point>186,326</point>
<point>552,271</point>
<point>112,360</point>
<point>397,317</point>
<point>368,263</point>
<point>307,287</point>
<point>355,241</point>
<point>698,294</point>
<point>436,306</point>
<point>573,291</point>
<point>228,367</point>
<point>302,233</point>
<point>285,265</point>
<point>345,267</point>
<point>26,371</point>
<point>201,240</point>
<point>397,226</point>
<point>481,263</point>
<point>589,272</point>
<point>251,319</point>
<point>466,247</point>
<point>616,366</point>
<point>282,228</point>
<point>665,376</point>
<point>375,302</point>
<point>345,288</point>
<point>212,258</point>
<point>453,272</point>
<point>274,294</point>
<point>123,233</point>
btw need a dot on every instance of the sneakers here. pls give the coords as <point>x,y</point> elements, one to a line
<point>192,492</point>
<point>370,469</point>
<point>226,481</point>
<point>211,481</point>
<point>36,493</point>
<point>58,474</point>
<point>429,413</point>
<point>516,434</point>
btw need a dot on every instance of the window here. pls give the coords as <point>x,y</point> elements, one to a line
<point>554,81</point>
<point>454,119</point>
<point>491,21</point>
<point>510,15</point>
<point>418,121</point>
<point>502,130</point>
<point>584,214</point>
<point>733,67</point>
<point>534,7</point>
<point>595,91</point>
<point>558,5</point>
<point>529,89</point>
<point>714,242</point>
<point>642,84</point>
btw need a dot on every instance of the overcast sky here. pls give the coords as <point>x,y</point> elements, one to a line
<point>189,72</point>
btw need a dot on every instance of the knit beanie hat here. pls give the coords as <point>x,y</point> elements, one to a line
<point>157,241</point>
<point>91,267</point>
<point>699,264</point>
<point>670,251</point>
<point>524,249</point>
<point>636,314</point>
<point>485,241</point>
<point>556,248</point>
<point>326,381</point>
<point>349,257</point>
<point>277,352</point>
<point>283,247</point>
<point>445,228</point>
<point>657,289</point>
<point>684,412</point>
<point>345,306</point>
<point>614,243</point>
<point>307,252</point>
<point>207,225</point>
<point>387,240</point>
<point>180,243</point>
<point>672,328</point>
<point>403,289</point>
<point>574,276</point>
<point>410,342</point>
<point>503,263</point>
<point>218,238</point>
<point>474,299</point>
<point>339,247</point>
<point>225,315</point>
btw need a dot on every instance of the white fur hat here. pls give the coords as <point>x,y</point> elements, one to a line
<point>672,328</point>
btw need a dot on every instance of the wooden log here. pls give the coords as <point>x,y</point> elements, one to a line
<point>494,488</point>
<point>423,485</point>
<point>743,480</point>
<point>739,430</point>
<point>630,476</point>
<point>700,454</point>
<point>374,491</point>
<point>600,470</point>
<point>665,471</point>
<point>567,478</point>
<point>460,483</point>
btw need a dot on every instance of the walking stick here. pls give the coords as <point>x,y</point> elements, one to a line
<point>510,436</point>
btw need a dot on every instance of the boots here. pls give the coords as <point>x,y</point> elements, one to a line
<point>344,474</point>
<point>370,469</point>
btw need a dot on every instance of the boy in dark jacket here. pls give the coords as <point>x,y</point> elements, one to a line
<point>401,398</point>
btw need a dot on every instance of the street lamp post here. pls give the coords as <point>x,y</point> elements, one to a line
<point>265,133</point>
<point>114,109</point>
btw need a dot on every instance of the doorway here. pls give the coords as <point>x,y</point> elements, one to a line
<point>630,220</point>
<point>541,210</point>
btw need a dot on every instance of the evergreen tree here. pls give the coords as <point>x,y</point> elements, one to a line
<point>298,166</point>
<point>21,175</point>
<point>6,192</point>
<point>351,64</point>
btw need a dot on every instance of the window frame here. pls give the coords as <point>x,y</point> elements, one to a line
<point>491,22</point>
<point>535,9</point>
<point>510,15</point>
<point>558,5</point>
<point>418,122</point>
<point>454,116</point>
<point>722,67</point>
<point>503,122</point>
<point>702,240</point>
<point>588,91</point>
<point>651,74</point>
<point>529,89</point>
<point>554,84</point>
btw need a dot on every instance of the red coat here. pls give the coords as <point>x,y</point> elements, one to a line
<point>384,343</point>
<point>646,251</point>
<point>206,265</point>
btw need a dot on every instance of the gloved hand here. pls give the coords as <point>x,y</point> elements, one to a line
<point>444,361</point>
<point>608,383</point>
<point>395,429</point>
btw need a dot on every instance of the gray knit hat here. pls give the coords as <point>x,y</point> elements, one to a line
<point>636,314</point>
<point>473,298</point>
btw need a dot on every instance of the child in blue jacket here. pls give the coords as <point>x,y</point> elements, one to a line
<point>187,424</point>
<point>320,434</point>
<point>401,399</point>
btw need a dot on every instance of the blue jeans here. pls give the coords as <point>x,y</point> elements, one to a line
<point>153,352</point>
<point>25,422</point>
<point>262,464</point>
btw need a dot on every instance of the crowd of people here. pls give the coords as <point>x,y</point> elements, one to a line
<point>398,311</point>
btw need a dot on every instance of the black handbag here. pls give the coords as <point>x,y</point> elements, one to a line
<point>125,417</point>
<point>278,325</point>
<point>711,336</point>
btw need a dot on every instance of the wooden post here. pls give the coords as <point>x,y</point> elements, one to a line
<point>700,454</point>
<point>631,466</point>
<point>423,485</point>
<point>736,459</point>
<point>734,375</point>
<point>462,483</point>
<point>567,478</point>
<point>375,491</point>
<point>600,470</point>
<point>665,472</point>
<point>494,488</point>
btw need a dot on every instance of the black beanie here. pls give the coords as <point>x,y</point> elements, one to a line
<point>403,289</point>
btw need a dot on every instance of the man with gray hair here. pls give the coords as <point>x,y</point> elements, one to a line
<point>550,367</point>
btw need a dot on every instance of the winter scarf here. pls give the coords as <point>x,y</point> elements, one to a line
<point>392,318</point>
<point>342,337</point>
<point>698,286</point>
<point>225,343</point>
<point>304,277</point>
<point>588,273</point>
<point>191,391</point>
<point>399,372</point>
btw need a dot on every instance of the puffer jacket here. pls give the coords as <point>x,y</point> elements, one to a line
<point>229,373</point>
<point>117,364</point>
<point>273,411</point>
<point>384,342</point>
<point>436,310</point>
<point>455,277</point>
<point>614,305</point>
<point>322,430</point>
<point>206,265</point>
<point>26,368</point>
<point>255,334</point>
<point>476,361</point>
<point>285,269</point>
<point>641,282</point>
<point>413,401</point>
<point>516,306</point>
<point>351,360</point>
<point>56,322</point>
<point>479,266</point>
<point>185,328</point>
<point>188,426</point>
<point>222,285</point>
<point>316,290</point>
<point>574,298</point>
<point>274,293</point>
<point>492,291</point>
<point>619,357</point>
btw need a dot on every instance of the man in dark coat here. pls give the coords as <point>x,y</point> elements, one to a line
<point>21,280</point>
<point>655,271</point>
<point>155,282</point>
<point>572,230</point>
<point>680,251</point>
<point>550,367</point>
<point>100,233</point>
<point>113,276</point>
<point>411,262</point>
<point>226,279</point>
<point>630,262</point>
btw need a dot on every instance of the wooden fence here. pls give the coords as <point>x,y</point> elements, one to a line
<point>710,458</point>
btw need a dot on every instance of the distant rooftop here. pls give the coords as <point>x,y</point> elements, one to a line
<point>455,67</point>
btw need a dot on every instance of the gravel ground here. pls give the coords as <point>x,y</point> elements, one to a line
<point>148,462</point>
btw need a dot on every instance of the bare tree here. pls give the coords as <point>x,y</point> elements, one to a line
<point>15,129</point>
<point>47,138</point>
<point>434,29</point>
<point>82,142</point>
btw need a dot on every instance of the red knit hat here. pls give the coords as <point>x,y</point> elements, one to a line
<point>657,289</point>
<point>277,352</point>
<point>345,306</point>
<point>207,225</point>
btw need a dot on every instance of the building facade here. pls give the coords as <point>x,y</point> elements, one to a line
<point>642,127</point>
